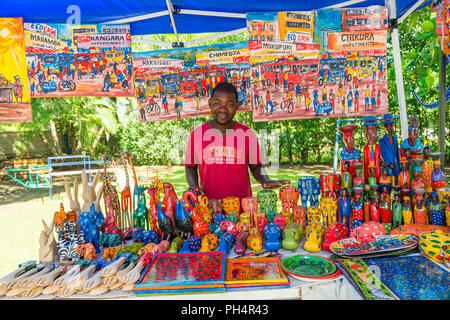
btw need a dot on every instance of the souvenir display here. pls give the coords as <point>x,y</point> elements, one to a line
<point>354,247</point>
<point>313,238</point>
<point>267,200</point>
<point>389,146</point>
<point>345,208</point>
<point>437,176</point>
<point>357,208</point>
<point>349,154</point>
<point>310,268</point>
<point>412,277</point>
<point>255,273</point>
<point>371,151</point>
<point>412,143</point>
<point>330,185</point>
<point>435,245</point>
<point>309,189</point>
<point>365,280</point>
<point>329,208</point>
<point>272,237</point>
<point>334,232</point>
<point>368,230</point>
<point>416,229</point>
<point>346,178</point>
<point>183,273</point>
<point>292,234</point>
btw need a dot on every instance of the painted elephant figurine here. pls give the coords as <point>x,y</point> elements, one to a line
<point>90,224</point>
<point>309,189</point>
<point>267,200</point>
<point>334,232</point>
<point>209,242</point>
<point>226,242</point>
<point>314,238</point>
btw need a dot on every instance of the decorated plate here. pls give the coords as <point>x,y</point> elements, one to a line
<point>382,243</point>
<point>309,267</point>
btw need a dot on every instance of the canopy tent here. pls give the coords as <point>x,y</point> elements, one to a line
<point>189,16</point>
<point>199,16</point>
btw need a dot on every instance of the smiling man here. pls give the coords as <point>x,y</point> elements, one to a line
<point>221,151</point>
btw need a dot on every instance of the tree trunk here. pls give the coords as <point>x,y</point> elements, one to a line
<point>55,138</point>
<point>49,145</point>
<point>97,139</point>
<point>72,139</point>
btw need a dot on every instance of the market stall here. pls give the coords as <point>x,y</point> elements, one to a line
<point>344,235</point>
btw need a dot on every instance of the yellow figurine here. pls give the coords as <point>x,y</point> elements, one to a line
<point>329,207</point>
<point>407,211</point>
<point>314,237</point>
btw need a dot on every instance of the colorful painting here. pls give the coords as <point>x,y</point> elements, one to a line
<point>441,8</point>
<point>254,272</point>
<point>323,63</point>
<point>78,60</point>
<point>183,272</point>
<point>413,277</point>
<point>177,83</point>
<point>15,102</point>
<point>365,280</point>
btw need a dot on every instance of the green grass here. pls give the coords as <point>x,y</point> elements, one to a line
<point>21,220</point>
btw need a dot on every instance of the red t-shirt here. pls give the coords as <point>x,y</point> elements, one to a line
<point>223,159</point>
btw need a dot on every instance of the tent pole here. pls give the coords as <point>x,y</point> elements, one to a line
<point>171,10</point>
<point>392,7</point>
<point>442,103</point>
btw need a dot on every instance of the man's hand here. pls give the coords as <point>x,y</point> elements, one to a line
<point>273,184</point>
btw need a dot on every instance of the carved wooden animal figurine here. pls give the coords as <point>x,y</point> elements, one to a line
<point>289,198</point>
<point>169,201</point>
<point>183,222</point>
<point>110,192</point>
<point>48,250</point>
<point>314,237</point>
<point>176,245</point>
<point>299,216</point>
<point>292,234</point>
<point>231,205</point>
<point>152,207</point>
<point>209,242</point>
<point>216,206</point>
<point>272,235</point>
<point>86,251</point>
<point>334,232</point>
<point>241,243</point>
<point>267,200</point>
<point>74,204</point>
<point>228,226</point>
<point>89,195</point>
<point>109,225</point>
<point>255,241</point>
<point>90,223</point>
<point>280,220</point>
<point>164,223</point>
<point>226,242</point>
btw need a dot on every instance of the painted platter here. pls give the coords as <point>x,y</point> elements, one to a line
<point>381,243</point>
<point>310,268</point>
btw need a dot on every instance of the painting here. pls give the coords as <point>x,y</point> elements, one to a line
<point>323,63</point>
<point>78,60</point>
<point>15,102</point>
<point>177,83</point>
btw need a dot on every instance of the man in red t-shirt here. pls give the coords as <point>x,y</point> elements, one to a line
<point>221,151</point>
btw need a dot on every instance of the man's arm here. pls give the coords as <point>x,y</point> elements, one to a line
<point>192,177</point>
<point>259,173</point>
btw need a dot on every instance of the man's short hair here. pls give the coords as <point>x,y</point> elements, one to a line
<point>225,87</point>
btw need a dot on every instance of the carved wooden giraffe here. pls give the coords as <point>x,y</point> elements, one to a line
<point>111,193</point>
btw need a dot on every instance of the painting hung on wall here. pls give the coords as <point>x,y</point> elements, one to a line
<point>323,63</point>
<point>78,60</point>
<point>15,103</point>
<point>177,83</point>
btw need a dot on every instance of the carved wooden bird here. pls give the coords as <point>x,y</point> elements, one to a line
<point>164,223</point>
<point>183,222</point>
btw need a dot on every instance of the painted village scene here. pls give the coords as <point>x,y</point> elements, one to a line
<point>318,63</point>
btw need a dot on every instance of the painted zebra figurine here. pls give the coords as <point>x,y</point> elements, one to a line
<point>67,245</point>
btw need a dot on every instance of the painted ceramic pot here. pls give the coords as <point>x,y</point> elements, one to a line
<point>435,245</point>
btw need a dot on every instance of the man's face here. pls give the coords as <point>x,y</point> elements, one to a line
<point>389,128</point>
<point>223,106</point>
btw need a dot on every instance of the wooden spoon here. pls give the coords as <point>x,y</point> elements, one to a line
<point>50,290</point>
<point>128,287</point>
<point>113,267</point>
<point>12,283</point>
<point>120,274</point>
<point>116,286</point>
<point>109,281</point>
<point>66,292</point>
<point>32,293</point>
<point>61,281</point>
<point>28,283</point>
<point>15,292</point>
<point>134,274</point>
<point>92,282</point>
<point>99,290</point>
<point>76,281</point>
<point>3,291</point>
<point>47,279</point>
